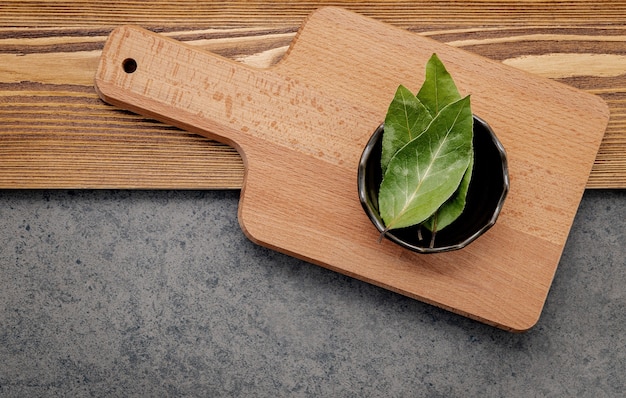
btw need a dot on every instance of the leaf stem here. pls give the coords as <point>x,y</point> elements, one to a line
<point>434,232</point>
<point>382,235</point>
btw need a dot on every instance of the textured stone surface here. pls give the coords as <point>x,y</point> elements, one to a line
<point>133,293</point>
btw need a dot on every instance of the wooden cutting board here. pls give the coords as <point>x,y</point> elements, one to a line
<point>301,125</point>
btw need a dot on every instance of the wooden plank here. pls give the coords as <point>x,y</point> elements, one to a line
<point>55,132</point>
<point>301,127</point>
<point>406,14</point>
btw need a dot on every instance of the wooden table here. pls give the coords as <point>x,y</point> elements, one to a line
<point>56,133</point>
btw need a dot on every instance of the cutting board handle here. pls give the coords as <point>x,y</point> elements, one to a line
<point>178,84</point>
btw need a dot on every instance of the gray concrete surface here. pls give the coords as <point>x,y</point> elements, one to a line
<point>133,293</point>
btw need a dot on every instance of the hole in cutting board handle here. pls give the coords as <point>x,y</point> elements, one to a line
<point>129,65</point>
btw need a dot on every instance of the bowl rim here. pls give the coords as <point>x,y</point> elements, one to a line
<point>375,218</point>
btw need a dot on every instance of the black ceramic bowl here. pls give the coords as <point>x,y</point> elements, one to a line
<point>487,190</point>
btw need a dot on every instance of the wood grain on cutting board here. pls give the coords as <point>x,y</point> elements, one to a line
<point>56,133</point>
<point>301,125</point>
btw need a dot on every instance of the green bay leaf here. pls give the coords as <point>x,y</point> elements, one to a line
<point>438,89</point>
<point>452,208</point>
<point>406,118</point>
<point>424,173</point>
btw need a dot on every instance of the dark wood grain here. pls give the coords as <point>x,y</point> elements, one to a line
<point>56,133</point>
